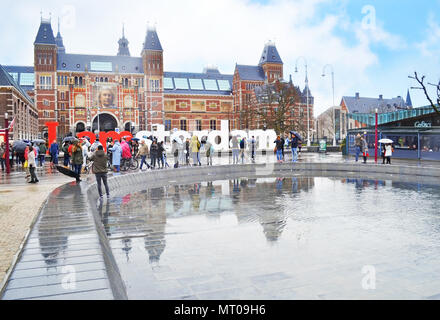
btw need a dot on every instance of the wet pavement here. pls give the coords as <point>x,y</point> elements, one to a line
<point>268,238</point>
<point>278,238</point>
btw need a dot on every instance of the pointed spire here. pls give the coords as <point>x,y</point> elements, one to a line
<point>59,40</point>
<point>58,25</point>
<point>45,33</point>
<point>152,40</point>
<point>270,54</point>
<point>123,44</point>
<point>408,100</point>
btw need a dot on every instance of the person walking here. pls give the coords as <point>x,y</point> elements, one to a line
<point>294,145</point>
<point>143,153</point>
<point>126,151</point>
<point>85,150</point>
<point>32,164</point>
<point>153,154</point>
<point>95,146</point>
<point>65,149</point>
<point>209,152</point>
<point>235,149</point>
<point>116,151</point>
<point>388,152</point>
<point>160,152</point>
<point>195,147</point>
<point>2,155</point>
<point>175,152</point>
<point>358,146</point>
<point>54,150</point>
<point>282,145</point>
<point>253,143</point>
<point>42,153</point>
<point>364,149</point>
<point>99,168</point>
<point>77,159</point>
<point>187,144</point>
<point>279,148</point>
<point>242,149</point>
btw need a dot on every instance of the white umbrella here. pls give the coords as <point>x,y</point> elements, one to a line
<point>386,141</point>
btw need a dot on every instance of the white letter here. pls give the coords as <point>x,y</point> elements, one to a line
<point>369,280</point>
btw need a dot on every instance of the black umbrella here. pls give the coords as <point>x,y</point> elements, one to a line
<point>69,139</point>
<point>19,146</point>
<point>296,134</point>
<point>135,139</point>
<point>39,141</point>
<point>67,172</point>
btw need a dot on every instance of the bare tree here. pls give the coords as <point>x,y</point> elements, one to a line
<point>274,105</point>
<point>423,87</point>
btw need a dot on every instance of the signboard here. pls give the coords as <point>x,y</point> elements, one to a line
<point>322,145</point>
<point>422,124</point>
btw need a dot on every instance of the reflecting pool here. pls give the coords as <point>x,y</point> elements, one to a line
<point>293,237</point>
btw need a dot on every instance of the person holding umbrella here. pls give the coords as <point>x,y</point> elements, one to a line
<point>54,152</point>
<point>77,159</point>
<point>388,152</point>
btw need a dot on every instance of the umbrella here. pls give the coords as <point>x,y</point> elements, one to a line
<point>178,140</point>
<point>69,139</point>
<point>135,139</point>
<point>296,134</point>
<point>39,141</point>
<point>385,141</point>
<point>19,146</point>
<point>67,172</point>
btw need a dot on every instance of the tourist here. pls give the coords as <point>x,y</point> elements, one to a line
<point>65,149</point>
<point>195,147</point>
<point>85,150</point>
<point>209,152</point>
<point>11,155</point>
<point>31,155</point>
<point>187,143</point>
<point>358,146</point>
<point>143,152</point>
<point>235,149</point>
<point>242,149</point>
<point>282,146</point>
<point>153,154</point>
<point>95,145</point>
<point>383,154</point>
<point>279,148</point>
<point>175,151</point>
<point>294,145</point>
<point>26,162</point>
<point>364,149</point>
<point>42,153</point>
<point>160,152</point>
<point>388,152</point>
<point>126,151</point>
<point>99,168</point>
<point>253,143</point>
<point>116,150</point>
<point>77,159</point>
<point>2,155</point>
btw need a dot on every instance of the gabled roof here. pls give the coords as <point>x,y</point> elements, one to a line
<point>270,54</point>
<point>77,62</point>
<point>8,81</point>
<point>45,33</point>
<point>255,73</point>
<point>368,105</point>
<point>152,41</point>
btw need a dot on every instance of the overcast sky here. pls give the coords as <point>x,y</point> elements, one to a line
<point>372,45</point>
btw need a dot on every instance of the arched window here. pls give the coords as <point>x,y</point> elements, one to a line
<point>76,80</point>
<point>80,81</point>
<point>106,79</point>
<point>101,79</point>
<point>126,82</point>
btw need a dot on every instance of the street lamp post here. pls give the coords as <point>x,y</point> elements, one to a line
<point>8,165</point>
<point>333,90</point>
<point>375,139</point>
<point>307,96</point>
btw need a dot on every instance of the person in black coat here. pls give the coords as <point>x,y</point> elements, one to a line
<point>153,154</point>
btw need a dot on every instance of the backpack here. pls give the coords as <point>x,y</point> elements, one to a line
<point>242,143</point>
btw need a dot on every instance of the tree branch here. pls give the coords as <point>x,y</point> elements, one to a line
<point>420,81</point>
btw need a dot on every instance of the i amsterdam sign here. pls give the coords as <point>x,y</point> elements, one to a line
<point>265,138</point>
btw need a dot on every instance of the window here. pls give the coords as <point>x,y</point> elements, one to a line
<point>168,83</point>
<point>62,107</point>
<point>213,124</point>
<point>14,75</point>
<point>196,84</point>
<point>63,118</point>
<point>45,102</point>
<point>154,85</point>
<point>27,79</point>
<point>183,124</point>
<point>101,66</point>
<point>45,82</point>
<point>167,125</point>
<point>181,83</point>
<point>62,95</point>
<point>224,85</point>
<point>198,125</point>
<point>210,84</point>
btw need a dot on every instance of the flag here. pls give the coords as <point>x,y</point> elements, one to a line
<point>11,124</point>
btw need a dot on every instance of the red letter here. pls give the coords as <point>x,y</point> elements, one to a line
<point>89,134</point>
<point>51,131</point>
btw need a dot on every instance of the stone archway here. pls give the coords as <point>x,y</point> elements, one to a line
<point>80,127</point>
<point>107,122</point>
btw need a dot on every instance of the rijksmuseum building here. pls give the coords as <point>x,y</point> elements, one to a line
<point>96,92</point>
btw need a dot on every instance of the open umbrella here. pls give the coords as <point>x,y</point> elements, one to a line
<point>69,139</point>
<point>39,141</point>
<point>385,141</point>
<point>296,134</point>
<point>19,146</point>
<point>178,140</point>
<point>135,139</point>
<point>67,172</point>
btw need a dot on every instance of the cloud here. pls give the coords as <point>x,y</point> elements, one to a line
<point>430,46</point>
<point>195,33</point>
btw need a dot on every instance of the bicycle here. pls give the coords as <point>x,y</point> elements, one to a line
<point>129,164</point>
